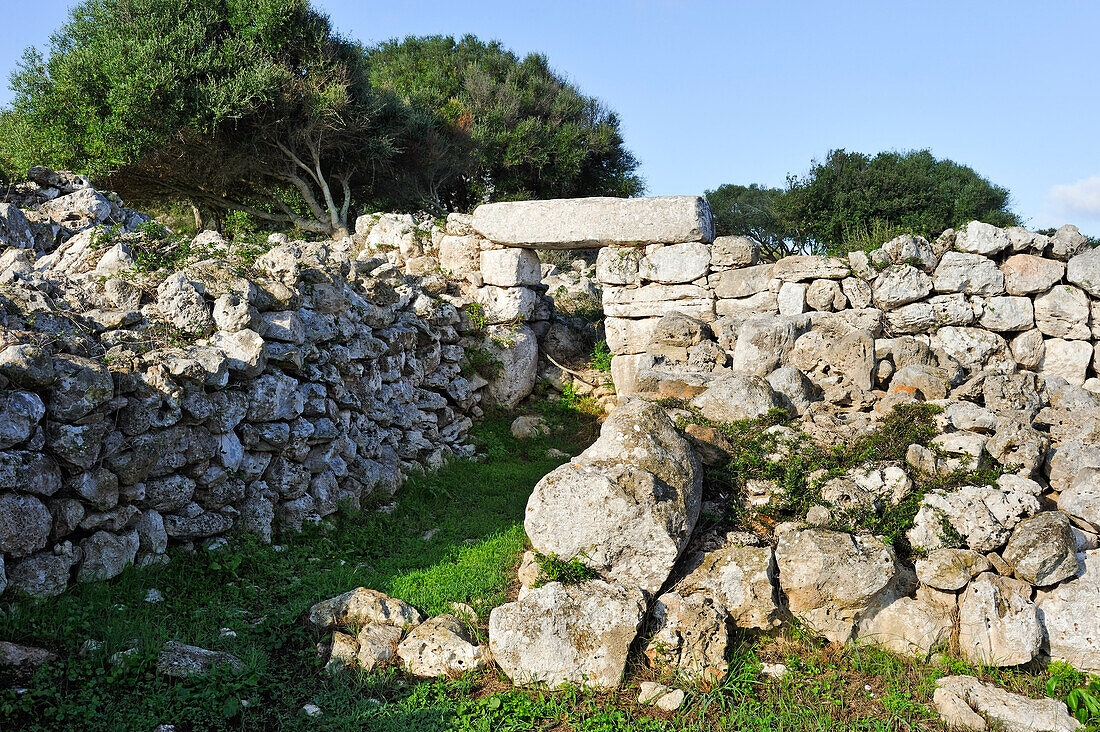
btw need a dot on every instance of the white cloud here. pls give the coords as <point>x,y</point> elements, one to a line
<point>1077,199</point>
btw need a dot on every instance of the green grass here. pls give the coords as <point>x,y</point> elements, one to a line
<point>261,594</point>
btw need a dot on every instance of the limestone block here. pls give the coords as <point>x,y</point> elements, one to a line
<point>743,282</point>
<point>1067,359</point>
<point>982,238</point>
<point>585,223</point>
<point>618,265</point>
<point>1063,312</point>
<point>1008,313</point>
<point>510,267</point>
<point>1069,617</point>
<point>672,264</point>
<point>971,274</point>
<point>1026,274</point>
<point>656,300</point>
<point>811,267</point>
<point>734,251</point>
<point>567,634</point>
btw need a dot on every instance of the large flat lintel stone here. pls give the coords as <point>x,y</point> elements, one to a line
<point>585,223</point>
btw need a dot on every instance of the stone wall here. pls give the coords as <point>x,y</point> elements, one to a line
<point>155,392</point>
<point>987,298</point>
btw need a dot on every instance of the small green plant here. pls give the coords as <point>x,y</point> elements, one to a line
<point>476,312</point>
<point>480,361</point>
<point>573,401</point>
<point>553,568</point>
<point>1084,701</point>
<point>601,357</point>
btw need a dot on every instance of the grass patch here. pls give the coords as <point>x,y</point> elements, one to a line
<point>261,595</point>
<point>601,357</point>
<point>553,568</point>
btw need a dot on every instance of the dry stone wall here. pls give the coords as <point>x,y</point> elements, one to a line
<point>987,298</point>
<point>997,328</point>
<point>157,392</point>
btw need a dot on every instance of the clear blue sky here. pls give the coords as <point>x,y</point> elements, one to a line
<point>716,92</point>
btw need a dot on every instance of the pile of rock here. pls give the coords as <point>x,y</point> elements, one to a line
<point>151,398</point>
<point>385,627</point>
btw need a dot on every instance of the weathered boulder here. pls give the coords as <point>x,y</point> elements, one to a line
<point>950,569</point>
<point>1042,549</point>
<point>15,230</point>
<point>1063,312</point>
<point>25,524</point>
<point>998,623</point>
<point>585,223</point>
<point>909,626</point>
<point>966,703</point>
<point>179,660</point>
<point>734,251</point>
<point>81,386</point>
<point>690,635</point>
<point>1069,618</point>
<point>1083,270</point>
<point>1008,313</point>
<point>900,285</point>
<point>971,274</point>
<point>1081,500</point>
<point>983,516</point>
<point>360,606</point>
<point>1066,359</point>
<point>106,555</point>
<point>516,349</point>
<point>743,282</point>
<point>1026,274</point>
<point>743,579</point>
<point>20,413</point>
<point>27,366</point>
<point>440,646</point>
<point>1067,242</point>
<point>737,396</point>
<point>832,579</point>
<point>762,343</point>
<point>45,574</point>
<point>618,265</point>
<point>567,634</point>
<point>973,348</point>
<point>982,238</point>
<point>627,505</point>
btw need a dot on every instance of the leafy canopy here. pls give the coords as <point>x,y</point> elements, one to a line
<point>504,128</point>
<point>253,105</point>
<point>853,199</point>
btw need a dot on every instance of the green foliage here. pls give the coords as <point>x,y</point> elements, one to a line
<point>476,312</point>
<point>501,127</point>
<point>751,211</point>
<point>854,201</point>
<point>256,107</point>
<point>553,568</point>
<point>601,357</point>
<point>789,459</point>
<point>480,361</point>
<point>913,191</point>
<point>572,401</point>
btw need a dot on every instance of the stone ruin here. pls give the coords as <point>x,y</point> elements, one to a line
<point>148,405</point>
<point>996,327</point>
